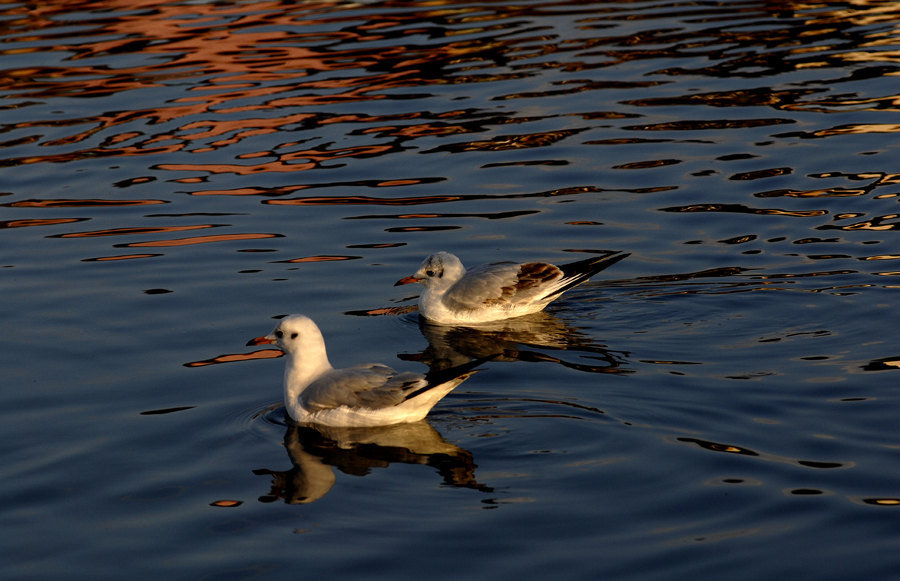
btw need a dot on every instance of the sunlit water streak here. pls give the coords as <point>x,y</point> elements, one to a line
<point>720,404</point>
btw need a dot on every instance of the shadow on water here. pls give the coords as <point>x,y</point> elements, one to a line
<point>315,451</point>
<point>518,339</point>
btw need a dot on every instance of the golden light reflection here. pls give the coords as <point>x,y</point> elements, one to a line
<point>732,449</point>
<point>235,357</point>
<point>263,61</point>
<point>805,274</point>
<point>247,61</point>
<point>199,240</point>
<point>879,223</point>
<point>742,209</point>
<point>505,142</point>
<point>881,257</point>
<point>321,259</point>
<point>121,257</point>
<point>855,129</point>
<point>227,503</point>
<point>85,203</point>
<point>39,222</point>
<point>133,231</point>
<point>762,174</point>
<point>829,193</point>
<point>882,501</point>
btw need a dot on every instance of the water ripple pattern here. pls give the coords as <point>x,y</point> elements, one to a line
<point>722,404</point>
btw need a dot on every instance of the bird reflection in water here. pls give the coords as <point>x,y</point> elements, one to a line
<point>316,451</point>
<point>518,339</point>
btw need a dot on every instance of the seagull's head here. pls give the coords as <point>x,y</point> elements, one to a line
<point>439,268</point>
<point>292,334</point>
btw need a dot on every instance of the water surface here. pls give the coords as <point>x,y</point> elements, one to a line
<point>721,404</point>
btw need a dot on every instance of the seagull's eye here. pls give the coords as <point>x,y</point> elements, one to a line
<point>293,335</point>
<point>279,334</point>
<point>429,273</point>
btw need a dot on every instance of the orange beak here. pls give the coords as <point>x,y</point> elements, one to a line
<point>407,280</point>
<point>261,341</point>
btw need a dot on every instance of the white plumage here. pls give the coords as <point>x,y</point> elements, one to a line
<point>370,394</point>
<point>496,290</point>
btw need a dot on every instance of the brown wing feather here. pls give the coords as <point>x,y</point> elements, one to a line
<point>531,276</point>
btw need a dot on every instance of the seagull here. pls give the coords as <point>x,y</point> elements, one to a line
<point>495,290</point>
<point>371,394</point>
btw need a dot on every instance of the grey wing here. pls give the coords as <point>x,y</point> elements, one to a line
<point>372,386</point>
<point>502,283</point>
<point>483,285</point>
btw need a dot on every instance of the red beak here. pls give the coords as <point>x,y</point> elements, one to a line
<point>260,341</point>
<point>407,280</point>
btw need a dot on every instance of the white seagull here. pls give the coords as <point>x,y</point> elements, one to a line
<point>495,290</point>
<point>371,394</point>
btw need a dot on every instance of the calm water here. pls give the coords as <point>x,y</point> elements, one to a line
<point>722,404</point>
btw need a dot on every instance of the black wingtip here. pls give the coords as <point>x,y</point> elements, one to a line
<point>437,377</point>
<point>593,265</point>
<point>581,270</point>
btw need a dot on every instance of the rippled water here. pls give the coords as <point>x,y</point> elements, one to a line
<point>722,404</point>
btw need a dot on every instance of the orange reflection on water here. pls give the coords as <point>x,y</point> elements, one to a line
<point>264,56</point>
<point>882,501</point>
<point>231,358</point>
<point>227,503</point>
<point>199,240</point>
<point>732,449</point>
<point>287,162</point>
<point>37,222</point>
<point>505,142</point>
<point>877,223</point>
<point>122,257</point>
<point>321,259</point>
<point>857,129</point>
<point>829,193</point>
<point>278,56</point>
<point>882,257</point>
<point>130,231</point>
<point>87,203</point>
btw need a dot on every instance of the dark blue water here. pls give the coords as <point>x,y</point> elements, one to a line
<point>722,404</point>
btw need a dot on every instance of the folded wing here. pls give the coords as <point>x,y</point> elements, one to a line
<point>498,284</point>
<point>375,386</point>
<point>371,386</point>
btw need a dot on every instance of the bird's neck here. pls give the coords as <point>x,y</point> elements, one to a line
<point>301,369</point>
